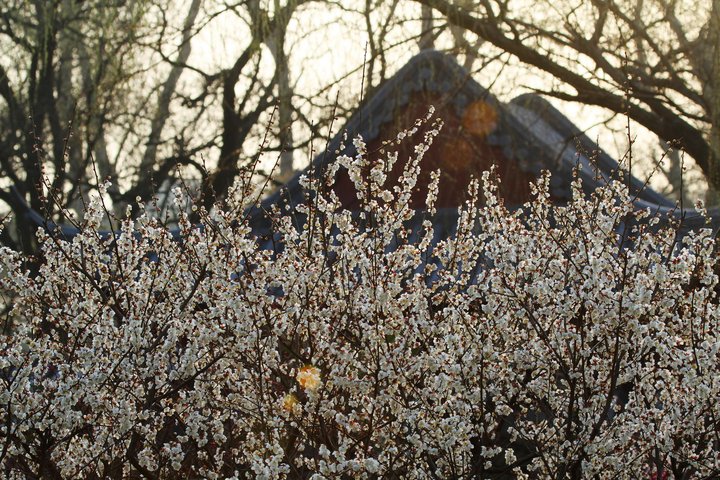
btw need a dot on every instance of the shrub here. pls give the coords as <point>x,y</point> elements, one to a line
<point>575,341</point>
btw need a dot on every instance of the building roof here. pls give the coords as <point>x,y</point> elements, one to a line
<point>523,138</point>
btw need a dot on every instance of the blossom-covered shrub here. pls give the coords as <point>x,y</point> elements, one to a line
<point>576,341</point>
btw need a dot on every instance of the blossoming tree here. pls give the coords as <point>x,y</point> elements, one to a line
<point>575,341</point>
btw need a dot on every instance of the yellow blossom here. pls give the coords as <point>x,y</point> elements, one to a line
<point>289,402</point>
<point>309,377</point>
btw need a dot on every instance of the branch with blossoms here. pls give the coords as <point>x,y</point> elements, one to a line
<point>573,341</point>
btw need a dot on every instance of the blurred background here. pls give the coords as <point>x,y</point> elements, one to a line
<point>155,94</point>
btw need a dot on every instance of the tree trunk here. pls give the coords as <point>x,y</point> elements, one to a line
<point>427,36</point>
<point>162,113</point>
<point>285,135</point>
<point>713,196</point>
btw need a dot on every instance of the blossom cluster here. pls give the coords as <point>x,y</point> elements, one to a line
<point>574,341</point>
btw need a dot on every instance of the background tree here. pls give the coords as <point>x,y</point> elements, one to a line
<point>113,90</point>
<point>654,60</point>
<point>151,93</point>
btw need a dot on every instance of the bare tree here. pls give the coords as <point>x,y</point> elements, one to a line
<point>109,90</point>
<point>655,60</point>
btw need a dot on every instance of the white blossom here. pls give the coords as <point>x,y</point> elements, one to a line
<point>577,338</point>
